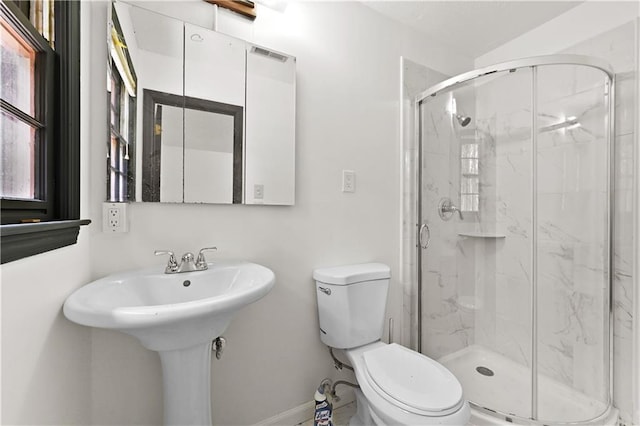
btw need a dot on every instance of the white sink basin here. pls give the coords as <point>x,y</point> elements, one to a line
<point>169,311</point>
<point>177,315</point>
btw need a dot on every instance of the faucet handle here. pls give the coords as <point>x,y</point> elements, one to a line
<point>201,262</point>
<point>172,265</point>
<point>446,209</point>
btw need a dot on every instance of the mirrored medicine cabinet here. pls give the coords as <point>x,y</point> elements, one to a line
<point>196,116</point>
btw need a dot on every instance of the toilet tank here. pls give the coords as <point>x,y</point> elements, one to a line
<point>351,303</point>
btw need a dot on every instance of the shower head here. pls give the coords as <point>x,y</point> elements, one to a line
<point>464,121</point>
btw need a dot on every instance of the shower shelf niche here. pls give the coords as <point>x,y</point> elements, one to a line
<point>481,235</point>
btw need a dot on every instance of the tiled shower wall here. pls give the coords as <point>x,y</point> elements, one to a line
<point>577,264</point>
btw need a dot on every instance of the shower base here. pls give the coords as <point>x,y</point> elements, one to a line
<point>508,390</point>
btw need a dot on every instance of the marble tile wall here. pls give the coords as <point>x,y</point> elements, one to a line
<point>448,325</point>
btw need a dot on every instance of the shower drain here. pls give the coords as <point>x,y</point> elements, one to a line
<point>484,371</point>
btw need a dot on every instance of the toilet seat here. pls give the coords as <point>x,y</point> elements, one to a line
<point>412,381</point>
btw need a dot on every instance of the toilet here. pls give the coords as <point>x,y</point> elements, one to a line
<point>398,386</point>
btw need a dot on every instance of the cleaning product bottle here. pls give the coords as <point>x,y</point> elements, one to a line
<point>323,412</point>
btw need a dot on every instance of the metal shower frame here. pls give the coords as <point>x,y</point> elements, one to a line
<point>533,63</point>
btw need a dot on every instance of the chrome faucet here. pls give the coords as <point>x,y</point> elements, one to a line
<point>446,208</point>
<point>188,263</point>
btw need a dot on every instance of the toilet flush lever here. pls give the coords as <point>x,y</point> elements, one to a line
<point>217,346</point>
<point>326,291</point>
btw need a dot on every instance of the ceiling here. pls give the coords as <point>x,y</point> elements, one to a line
<point>472,27</point>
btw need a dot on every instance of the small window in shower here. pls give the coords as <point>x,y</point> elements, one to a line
<point>469,177</point>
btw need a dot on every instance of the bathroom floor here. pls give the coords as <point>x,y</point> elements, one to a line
<point>341,415</point>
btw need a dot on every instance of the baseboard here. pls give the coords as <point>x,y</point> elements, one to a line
<point>291,417</point>
<point>302,413</point>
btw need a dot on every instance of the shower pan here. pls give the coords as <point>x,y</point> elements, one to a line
<point>514,204</point>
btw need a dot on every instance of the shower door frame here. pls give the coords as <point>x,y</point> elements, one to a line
<point>533,63</point>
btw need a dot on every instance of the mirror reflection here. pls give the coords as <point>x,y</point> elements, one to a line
<point>197,116</point>
<point>204,136</point>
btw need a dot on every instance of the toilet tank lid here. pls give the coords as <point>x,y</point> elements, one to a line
<point>350,274</point>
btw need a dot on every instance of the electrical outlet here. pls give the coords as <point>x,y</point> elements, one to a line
<point>258,191</point>
<point>114,217</point>
<point>348,181</point>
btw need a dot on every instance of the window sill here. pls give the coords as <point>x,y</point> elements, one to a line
<point>22,240</point>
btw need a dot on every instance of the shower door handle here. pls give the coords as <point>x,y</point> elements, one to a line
<point>422,240</point>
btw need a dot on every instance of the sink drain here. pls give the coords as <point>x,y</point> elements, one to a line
<point>484,371</point>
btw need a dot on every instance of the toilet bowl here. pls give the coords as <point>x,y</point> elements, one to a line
<point>397,386</point>
<point>403,387</point>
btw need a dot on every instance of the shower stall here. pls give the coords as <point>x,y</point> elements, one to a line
<point>514,218</point>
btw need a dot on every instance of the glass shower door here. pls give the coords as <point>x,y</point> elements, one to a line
<point>572,234</point>
<point>515,242</point>
<point>476,272</point>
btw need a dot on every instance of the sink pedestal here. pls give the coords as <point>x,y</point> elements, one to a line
<point>186,377</point>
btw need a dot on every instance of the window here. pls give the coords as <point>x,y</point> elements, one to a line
<point>39,113</point>
<point>20,126</point>
<point>28,67</point>
<point>469,179</point>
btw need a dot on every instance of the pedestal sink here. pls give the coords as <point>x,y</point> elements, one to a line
<point>177,315</point>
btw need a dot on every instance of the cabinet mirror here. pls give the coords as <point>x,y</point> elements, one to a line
<point>196,116</point>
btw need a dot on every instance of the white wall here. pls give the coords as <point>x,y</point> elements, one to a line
<point>347,118</point>
<point>46,360</point>
<point>578,24</point>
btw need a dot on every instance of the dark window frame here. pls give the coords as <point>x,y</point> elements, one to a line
<point>60,224</point>
<point>121,183</point>
<point>120,170</point>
